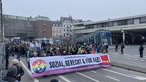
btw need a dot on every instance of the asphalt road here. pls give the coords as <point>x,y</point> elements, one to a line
<point>112,74</point>
<point>130,53</point>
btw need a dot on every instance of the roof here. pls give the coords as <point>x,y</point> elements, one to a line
<point>115,19</point>
<point>56,22</point>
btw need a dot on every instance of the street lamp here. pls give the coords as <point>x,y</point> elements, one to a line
<point>143,39</point>
<point>123,35</point>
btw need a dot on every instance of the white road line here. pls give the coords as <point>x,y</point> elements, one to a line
<point>112,78</point>
<point>129,58</point>
<point>115,53</point>
<point>130,76</point>
<point>65,79</point>
<point>34,79</point>
<point>88,77</point>
<point>126,54</point>
<point>135,59</point>
<point>141,60</point>
<point>93,71</point>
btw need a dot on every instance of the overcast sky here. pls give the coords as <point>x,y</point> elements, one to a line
<point>78,9</point>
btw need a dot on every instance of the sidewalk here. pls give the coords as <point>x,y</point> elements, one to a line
<point>138,64</point>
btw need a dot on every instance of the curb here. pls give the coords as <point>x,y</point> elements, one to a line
<point>129,67</point>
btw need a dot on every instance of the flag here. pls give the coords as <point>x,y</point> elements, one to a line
<point>51,40</point>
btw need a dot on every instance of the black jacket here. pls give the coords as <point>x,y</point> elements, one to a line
<point>19,71</point>
<point>9,79</point>
<point>10,76</point>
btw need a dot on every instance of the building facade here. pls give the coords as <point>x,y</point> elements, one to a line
<point>42,27</point>
<point>26,27</point>
<point>57,30</point>
<point>18,26</point>
<point>67,25</point>
<point>128,30</point>
<point>63,29</point>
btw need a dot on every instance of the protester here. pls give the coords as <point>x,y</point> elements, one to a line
<point>98,48</point>
<point>11,75</point>
<point>18,51</point>
<point>116,46</point>
<point>20,71</point>
<point>103,48</point>
<point>141,48</point>
<point>122,47</point>
<point>7,56</point>
<point>106,47</point>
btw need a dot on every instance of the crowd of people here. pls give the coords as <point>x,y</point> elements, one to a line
<point>18,50</point>
<point>47,49</point>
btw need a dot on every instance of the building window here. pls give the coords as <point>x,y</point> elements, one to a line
<point>110,24</point>
<point>64,34</point>
<point>122,22</point>
<point>143,20</point>
<point>95,26</point>
<point>104,24</point>
<point>115,23</point>
<point>130,21</point>
<point>44,25</point>
<point>87,27</point>
<point>99,25</point>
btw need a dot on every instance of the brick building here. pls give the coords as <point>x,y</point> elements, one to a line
<point>43,27</point>
<point>27,27</point>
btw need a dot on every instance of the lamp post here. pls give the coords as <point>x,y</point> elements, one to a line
<point>123,36</point>
<point>143,39</point>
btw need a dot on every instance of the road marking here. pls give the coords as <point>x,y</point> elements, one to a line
<point>87,77</point>
<point>126,54</point>
<point>142,78</point>
<point>65,79</point>
<point>93,71</point>
<point>135,59</point>
<point>131,76</point>
<point>114,53</point>
<point>112,78</point>
<point>141,60</point>
<point>28,71</point>
<point>129,58</point>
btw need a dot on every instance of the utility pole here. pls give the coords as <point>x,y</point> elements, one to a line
<point>1,21</point>
<point>2,45</point>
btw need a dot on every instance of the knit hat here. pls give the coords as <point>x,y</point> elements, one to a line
<point>15,61</point>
